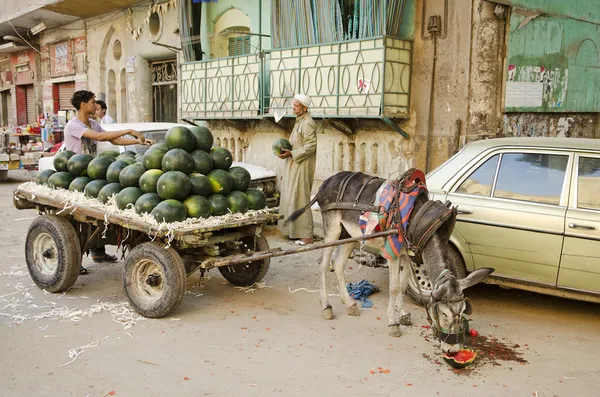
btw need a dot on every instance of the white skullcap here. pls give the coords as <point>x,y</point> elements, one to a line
<point>304,99</point>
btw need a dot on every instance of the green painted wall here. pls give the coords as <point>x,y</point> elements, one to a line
<point>555,59</point>
<point>585,10</point>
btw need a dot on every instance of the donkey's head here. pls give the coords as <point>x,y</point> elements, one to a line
<point>448,304</point>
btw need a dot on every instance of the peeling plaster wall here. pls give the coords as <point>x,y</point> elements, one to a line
<point>576,125</point>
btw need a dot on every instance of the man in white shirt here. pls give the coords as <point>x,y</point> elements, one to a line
<point>101,113</point>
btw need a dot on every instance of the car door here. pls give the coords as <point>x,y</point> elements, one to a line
<point>580,261</point>
<point>511,211</point>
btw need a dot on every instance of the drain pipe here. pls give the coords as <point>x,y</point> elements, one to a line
<point>434,28</point>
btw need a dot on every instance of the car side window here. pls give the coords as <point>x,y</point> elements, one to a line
<point>480,182</point>
<point>588,183</point>
<point>536,177</point>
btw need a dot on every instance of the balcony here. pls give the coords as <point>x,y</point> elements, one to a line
<point>352,79</point>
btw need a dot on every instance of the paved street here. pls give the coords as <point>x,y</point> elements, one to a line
<point>272,341</point>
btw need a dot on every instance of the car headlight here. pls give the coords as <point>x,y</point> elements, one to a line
<point>261,186</point>
<point>270,186</point>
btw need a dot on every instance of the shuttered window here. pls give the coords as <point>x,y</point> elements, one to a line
<point>239,46</point>
<point>65,93</point>
<point>8,112</point>
<point>31,112</point>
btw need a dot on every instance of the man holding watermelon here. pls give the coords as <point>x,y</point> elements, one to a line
<point>299,172</point>
<point>81,135</point>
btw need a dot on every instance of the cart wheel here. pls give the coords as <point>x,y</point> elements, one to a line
<point>246,274</point>
<point>154,279</point>
<point>53,253</point>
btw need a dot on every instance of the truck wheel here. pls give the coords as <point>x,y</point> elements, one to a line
<point>421,278</point>
<point>154,279</point>
<point>246,274</point>
<point>53,253</point>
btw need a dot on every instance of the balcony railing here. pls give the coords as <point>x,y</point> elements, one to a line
<point>364,78</point>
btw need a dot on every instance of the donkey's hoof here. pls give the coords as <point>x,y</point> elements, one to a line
<point>353,310</point>
<point>405,319</point>
<point>395,331</point>
<point>327,313</point>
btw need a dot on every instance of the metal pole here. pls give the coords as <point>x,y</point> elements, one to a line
<point>238,259</point>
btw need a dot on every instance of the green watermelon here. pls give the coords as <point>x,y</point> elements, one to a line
<point>279,144</point>
<point>129,153</point>
<point>201,185</point>
<point>241,178</point>
<point>126,159</point>
<point>149,179</point>
<point>130,176</point>
<point>180,137</point>
<point>114,170</point>
<point>60,180</point>
<point>178,160</point>
<point>159,145</point>
<point>108,191</point>
<point>169,211</point>
<point>203,163</point>
<point>139,158</point>
<point>109,153</point>
<point>43,176</point>
<point>153,158</point>
<point>173,185</point>
<point>147,202</point>
<point>203,136</point>
<point>77,165</point>
<point>221,182</point>
<point>79,184</point>
<point>62,159</point>
<point>98,167</point>
<point>197,207</point>
<point>256,199</point>
<point>92,189</point>
<point>222,158</point>
<point>218,205</point>
<point>238,202</point>
<point>127,196</point>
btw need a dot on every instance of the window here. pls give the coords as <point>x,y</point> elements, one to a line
<point>480,182</point>
<point>588,183</point>
<point>536,177</point>
<point>239,45</point>
<point>164,91</point>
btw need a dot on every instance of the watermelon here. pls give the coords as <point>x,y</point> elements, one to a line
<point>256,199</point>
<point>98,167</point>
<point>222,158</point>
<point>129,153</point>
<point>153,157</point>
<point>169,211</point>
<point>60,180</point>
<point>180,137</point>
<point>238,202</point>
<point>139,158</point>
<point>461,359</point>
<point>92,189</point>
<point>61,160</point>
<point>77,165</point>
<point>108,191</point>
<point>147,202</point>
<point>114,170</point>
<point>149,179</point>
<point>279,144</point>
<point>160,145</point>
<point>130,176</point>
<point>203,163</point>
<point>109,153</point>
<point>43,176</point>
<point>221,181</point>
<point>79,184</point>
<point>203,136</point>
<point>126,159</point>
<point>128,196</point>
<point>201,185</point>
<point>178,160</point>
<point>218,205</point>
<point>241,178</point>
<point>197,207</point>
<point>173,185</point>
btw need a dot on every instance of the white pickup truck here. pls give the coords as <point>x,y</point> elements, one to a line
<point>262,178</point>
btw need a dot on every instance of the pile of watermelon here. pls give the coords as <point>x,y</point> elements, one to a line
<point>184,177</point>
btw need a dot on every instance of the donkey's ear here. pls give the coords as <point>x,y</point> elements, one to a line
<point>475,277</point>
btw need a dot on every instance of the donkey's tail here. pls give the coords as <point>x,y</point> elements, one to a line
<point>301,211</point>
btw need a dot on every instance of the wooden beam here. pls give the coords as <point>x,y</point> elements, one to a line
<point>341,126</point>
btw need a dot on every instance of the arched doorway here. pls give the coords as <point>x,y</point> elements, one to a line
<point>111,99</point>
<point>123,97</point>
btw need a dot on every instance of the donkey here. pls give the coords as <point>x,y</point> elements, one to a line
<point>339,198</point>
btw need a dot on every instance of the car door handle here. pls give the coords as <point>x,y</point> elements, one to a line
<point>584,227</point>
<point>464,212</point>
